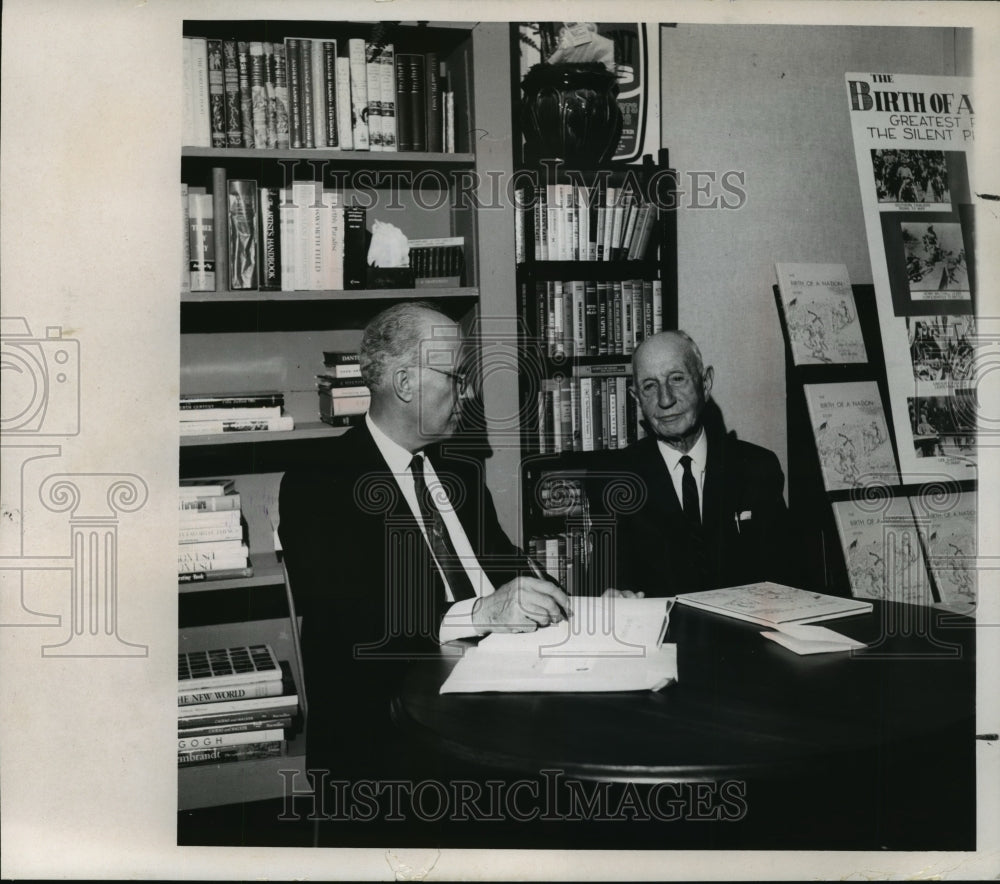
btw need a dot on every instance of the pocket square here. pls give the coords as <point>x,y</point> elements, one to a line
<point>745,515</point>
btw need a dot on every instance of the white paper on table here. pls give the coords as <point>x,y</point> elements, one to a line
<point>804,639</point>
<point>608,644</point>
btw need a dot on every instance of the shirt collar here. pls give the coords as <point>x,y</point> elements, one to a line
<point>698,454</point>
<point>397,457</point>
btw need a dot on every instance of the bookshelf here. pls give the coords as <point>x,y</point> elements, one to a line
<point>234,341</point>
<point>560,365</point>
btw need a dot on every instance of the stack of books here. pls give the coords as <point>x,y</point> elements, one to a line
<point>577,223</point>
<point>234,704</point>
<point>343,398</point>
<point>302,92</point>
<point>203,413</point>
<point>211,543</point>
<point>595,318</point>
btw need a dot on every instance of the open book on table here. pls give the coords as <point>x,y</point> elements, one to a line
<point>773,604</point>
<point>608,644</point>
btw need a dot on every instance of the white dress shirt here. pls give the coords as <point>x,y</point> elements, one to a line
<point>457,622</point>
<point>699,460</point>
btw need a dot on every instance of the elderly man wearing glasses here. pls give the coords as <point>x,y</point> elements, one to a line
<point>394,544</point>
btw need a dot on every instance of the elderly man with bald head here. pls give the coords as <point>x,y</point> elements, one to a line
<point>708,510</point>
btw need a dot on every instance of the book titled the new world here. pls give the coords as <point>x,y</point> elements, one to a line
<point>773,604</point>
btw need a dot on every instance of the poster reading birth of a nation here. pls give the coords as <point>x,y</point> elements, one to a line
<point>913,140</point>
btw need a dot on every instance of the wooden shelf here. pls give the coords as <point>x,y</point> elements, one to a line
<point>235,782</point>
<point>329,295</point>
<point>306,430</point>
<point>267,571</point>
<point>367,157</point>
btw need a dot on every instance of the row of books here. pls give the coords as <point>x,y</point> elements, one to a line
<point>343,398</point>
<point>566,222</point>
<point>211,543</point>
<point>591,412</point>
<point>564,557</point>
<point>313,93</point>
<point>244,237</point>
<point>204,414</point>
<point>590,318</point>
<point>438,262</point>
<point>234,704</point>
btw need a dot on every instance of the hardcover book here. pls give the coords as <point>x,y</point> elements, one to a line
<point>243,261</point>
<point>773,604</point>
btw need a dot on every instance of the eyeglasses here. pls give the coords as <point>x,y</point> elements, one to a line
<point>459,379</point>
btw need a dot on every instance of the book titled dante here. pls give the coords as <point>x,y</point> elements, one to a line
<point>820,314</point>
<point>773,604</point>
<point>851,435</point>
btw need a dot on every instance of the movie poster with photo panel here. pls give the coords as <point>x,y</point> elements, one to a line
<point>913,138</point>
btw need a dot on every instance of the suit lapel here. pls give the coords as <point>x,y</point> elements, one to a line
<point>659,486</point>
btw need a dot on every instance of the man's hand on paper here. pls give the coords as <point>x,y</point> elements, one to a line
<point>525,603</point>
<point>612,593</point>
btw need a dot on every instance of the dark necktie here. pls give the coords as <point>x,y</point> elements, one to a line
<point>437,534</point>
<point>689,494</point>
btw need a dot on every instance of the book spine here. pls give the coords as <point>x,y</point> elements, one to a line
<point>211,504</point>
<point>234,738</point>
<point>202,242</point>
<point>259,103</point>
<point>220,228</point>
<point>185,240</point>
<point>217,93</point>
<point>387,65</point>
<point>200,566</point>
<point>355,256</point>
<point>337,231</point>
<point>201,108</point>
<point>210,533</point>
<point>187,84</point>
<point>359,92</point>
<point>418,101</point>
<point>336,357</point>
<point>602,319</point>
<point>301,240</point>
<point>305,122</point>
<point>244,727</point>
<point>200,428</point>
<point>319,94</point>
<point>211,550</point>
<point>345,111</point>
<point>231,753</point>
<point>657,306</point>
<point>373,79</point>
<point>243,261</point>
<point>432,86</point>
<point>236,692</point>
<point>404,132</point>
<point>212,414</point>
<point>293,71</point>
<point>268,242</point>
<point>231,81</point>
<point>221,574</point>
<point>286,228</point>
<point>280,111</point>
<point>231,400</point>
<point>246,94</point>
<point>332,88</point>
<point>586,414</point>
<point>592,321</point>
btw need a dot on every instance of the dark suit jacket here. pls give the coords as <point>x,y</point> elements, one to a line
<point>654,550</point>
<point>366,588</point>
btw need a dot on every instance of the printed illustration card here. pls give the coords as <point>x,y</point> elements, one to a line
<point>820,314</point>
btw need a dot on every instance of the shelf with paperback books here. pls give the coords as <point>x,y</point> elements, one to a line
<point>338,295</point>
